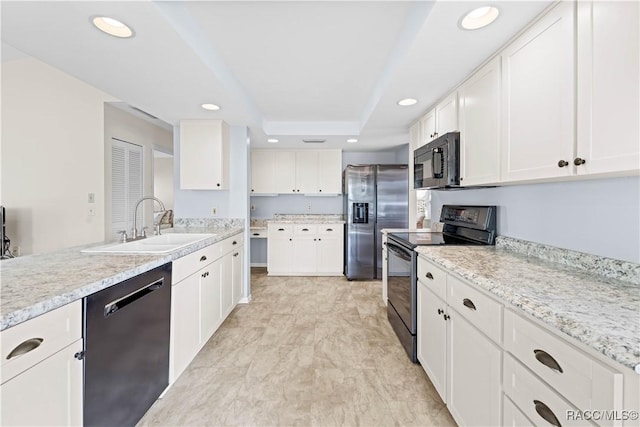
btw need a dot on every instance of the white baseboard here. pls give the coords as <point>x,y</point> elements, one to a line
<point>258,264</point>
<point>245,300</point>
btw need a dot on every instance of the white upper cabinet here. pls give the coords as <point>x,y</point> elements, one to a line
<point>447,115</point>
<point>428,127</point>
<point>608,87</point>
<point>480,126</point>
<point>296,172</point>
<point>204,155</point>
<point>538,99</point>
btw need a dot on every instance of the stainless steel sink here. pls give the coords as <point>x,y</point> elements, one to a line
<point>152,245</point>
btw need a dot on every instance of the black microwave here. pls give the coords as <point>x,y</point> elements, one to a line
<point>437,164</point>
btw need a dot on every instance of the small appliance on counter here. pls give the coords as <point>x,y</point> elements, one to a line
<point>375,197</point>
<point>463,225</point>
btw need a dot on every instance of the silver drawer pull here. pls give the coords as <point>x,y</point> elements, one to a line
<point>429,275</point>
<point>280,229</point>
<point>546,413</point>
<point>468,303</point>
<point>25,347</point>
<point>305,229</point>
<point>547,360</point>
<point>203,258</point>
<point>329,229</point>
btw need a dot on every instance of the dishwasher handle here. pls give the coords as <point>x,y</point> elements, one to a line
<point>399,252</point>
<point>120,303</point>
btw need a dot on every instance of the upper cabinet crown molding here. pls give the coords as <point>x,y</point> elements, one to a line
<point>204,155</point>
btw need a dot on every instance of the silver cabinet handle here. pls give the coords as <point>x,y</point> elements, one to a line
<point>547,360</point>
<point>25,347</point>
<point>468,303</point>
<point>546,413</point>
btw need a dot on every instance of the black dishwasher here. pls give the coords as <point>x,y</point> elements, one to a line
<point>126,356</point>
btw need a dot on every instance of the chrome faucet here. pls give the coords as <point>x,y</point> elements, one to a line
<point>135,217</point>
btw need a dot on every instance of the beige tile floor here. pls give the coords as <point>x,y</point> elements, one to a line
<point>307,351</point>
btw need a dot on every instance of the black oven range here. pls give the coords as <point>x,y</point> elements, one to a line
<point>463,225</point>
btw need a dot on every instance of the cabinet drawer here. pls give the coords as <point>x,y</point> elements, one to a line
<point>536,400</point>
<point>433,277</point>
<point>582,380</point>
<point>305,229</point>
<point>45,334</point>
<point>258,234</point>
<point>482,311</point>
<point>229,244</point>
<point>330,229</point>
<point>189,264</point>
<point>275,230</point>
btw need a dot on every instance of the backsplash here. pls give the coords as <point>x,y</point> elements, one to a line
<point>221,223</point>
<point>608,267</point>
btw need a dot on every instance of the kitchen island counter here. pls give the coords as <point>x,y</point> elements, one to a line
<point>35,284</point>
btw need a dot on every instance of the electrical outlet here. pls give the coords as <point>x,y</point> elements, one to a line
<point>91,211</point>
<point>308,207</point>
<point>91,198</point>
<point>214,211</point>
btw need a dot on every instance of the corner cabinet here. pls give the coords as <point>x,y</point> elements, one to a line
<point>296,172</point>
<point>204,155</point>
<point>538,84</point>
<point>41,377</point>
<point>206,286</point>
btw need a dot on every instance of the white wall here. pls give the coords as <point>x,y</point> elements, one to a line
<point>52,157</point>
<point>124,126</point>
<point>600,217</point>
<point>163,180</point>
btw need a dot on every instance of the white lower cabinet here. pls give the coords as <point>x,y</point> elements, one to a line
<point>305,249</point>
<point>40,375</point>
<point>512,416</point>
<point>475,364</point>
<point>50,393</point>
<point>463,364</point>
<point>202,299</point>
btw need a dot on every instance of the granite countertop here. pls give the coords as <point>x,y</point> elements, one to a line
<point>306,219</point>
<point>599,311</point>
<point>35,284</point>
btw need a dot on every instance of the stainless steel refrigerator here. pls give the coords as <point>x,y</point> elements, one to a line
<point>375,197</point>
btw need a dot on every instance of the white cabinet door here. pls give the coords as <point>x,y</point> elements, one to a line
<point>210,296</point>
<point>204,155</point>
<point>480,126</point>
<point>428,127</point>
<point>238,275</point>
<point>284,174</point>
<point>432,338</point>
<point>307,172</point>
<point>447,115</point>
<point>329,255</point>
<point>185,324</point>
<point>262,171</point>
<point>226,284</point>
<point>538,99</point>
<point>608,87</point>
<point>279,254</point>
<point>304,255</point>
<point>49,393</point>
<point>330,172</point>
<point>475,367</point>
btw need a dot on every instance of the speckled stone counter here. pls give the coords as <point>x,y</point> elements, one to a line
<point>306,219</point>
<point>599,311</point>
<point>35,284</point>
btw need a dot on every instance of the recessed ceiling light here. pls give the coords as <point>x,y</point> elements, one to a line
<point>407,102</point>
<point>352,140</point>
<point>478,18</point>
<point>272,140</point>
<point>111,26</point>
<point>210,107</point>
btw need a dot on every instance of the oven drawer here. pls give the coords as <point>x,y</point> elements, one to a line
<point>433,277</point>
<point>481,310</point>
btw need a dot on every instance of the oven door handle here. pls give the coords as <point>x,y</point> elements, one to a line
<point>398,251</point>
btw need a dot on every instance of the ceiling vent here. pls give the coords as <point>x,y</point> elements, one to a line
<point>314,141</point>
<point>145,113</point>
